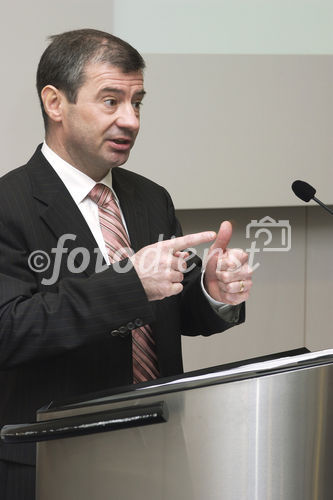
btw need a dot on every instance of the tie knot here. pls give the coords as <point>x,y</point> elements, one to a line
<point>101,194</point>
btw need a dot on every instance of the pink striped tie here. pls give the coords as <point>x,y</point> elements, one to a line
<point>118,245</point>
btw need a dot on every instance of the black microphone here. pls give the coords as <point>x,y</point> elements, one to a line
<point>306,193</point>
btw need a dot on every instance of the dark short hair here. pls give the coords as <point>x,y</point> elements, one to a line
<point>64,61</point>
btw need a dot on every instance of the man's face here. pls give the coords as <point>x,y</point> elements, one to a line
<point>99,130</point>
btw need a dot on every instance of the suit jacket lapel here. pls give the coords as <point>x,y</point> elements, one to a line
<point>58,209</point>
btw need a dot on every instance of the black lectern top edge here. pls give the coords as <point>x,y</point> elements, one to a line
<point>138,389</point>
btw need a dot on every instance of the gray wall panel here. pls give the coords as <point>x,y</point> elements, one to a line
<point>275,311</point>
<point>235,131</point>
<point>25,27</point>
<point>319,279</point>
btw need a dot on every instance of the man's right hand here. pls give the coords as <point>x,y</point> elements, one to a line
<point>160,266</point>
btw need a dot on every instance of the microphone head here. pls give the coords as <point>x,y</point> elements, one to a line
<point>303,190</point>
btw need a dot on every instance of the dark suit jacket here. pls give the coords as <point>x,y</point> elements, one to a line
<point>56,341</point>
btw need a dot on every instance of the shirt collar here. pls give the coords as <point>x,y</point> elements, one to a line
<point>78,184</point>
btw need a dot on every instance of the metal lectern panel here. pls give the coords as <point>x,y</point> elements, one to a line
<point>264,438</point>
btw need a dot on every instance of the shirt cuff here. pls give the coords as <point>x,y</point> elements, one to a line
<point>227,312</point>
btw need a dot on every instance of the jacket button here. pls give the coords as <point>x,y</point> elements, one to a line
<point>123,331</point>
<point>138,322</point>
<point>130,325</point>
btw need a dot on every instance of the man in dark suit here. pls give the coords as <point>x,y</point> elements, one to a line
<point>66,317</point>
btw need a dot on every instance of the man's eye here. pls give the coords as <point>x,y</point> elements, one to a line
<point>137,104</point>
<point>110,102</point>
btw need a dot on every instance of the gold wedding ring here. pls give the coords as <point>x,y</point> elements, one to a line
<point>241,289</point>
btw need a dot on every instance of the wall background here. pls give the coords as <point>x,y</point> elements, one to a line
<point>239,105</point>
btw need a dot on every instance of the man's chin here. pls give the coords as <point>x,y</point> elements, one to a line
<point>118,160</point>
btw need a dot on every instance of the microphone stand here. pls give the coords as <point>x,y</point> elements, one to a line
<point>322,205</point>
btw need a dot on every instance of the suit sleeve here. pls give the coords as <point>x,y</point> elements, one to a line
<point>197,315</point>
<point>35,324</point>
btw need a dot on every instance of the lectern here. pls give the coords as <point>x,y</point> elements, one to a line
<point>259,431</point>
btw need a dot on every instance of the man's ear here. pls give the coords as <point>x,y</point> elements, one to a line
<point>52,100</point>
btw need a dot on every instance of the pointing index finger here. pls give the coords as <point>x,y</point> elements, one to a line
<point>190,240</point>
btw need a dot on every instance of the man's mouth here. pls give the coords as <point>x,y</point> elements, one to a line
<point>120,143</point>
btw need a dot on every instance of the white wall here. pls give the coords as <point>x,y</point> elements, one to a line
<point>226,26</point>
<point>238,91</point>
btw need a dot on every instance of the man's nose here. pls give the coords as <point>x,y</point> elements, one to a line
<point>128,117</point>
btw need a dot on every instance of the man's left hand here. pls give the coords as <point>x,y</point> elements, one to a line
<point>227,275</point>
